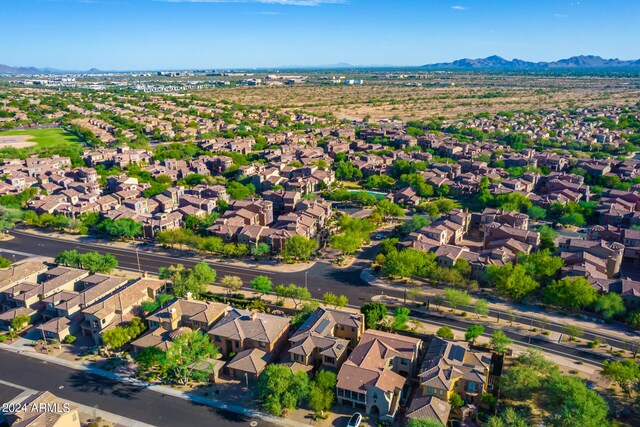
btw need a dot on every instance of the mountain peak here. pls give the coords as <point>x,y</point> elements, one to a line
<point>497,62</point>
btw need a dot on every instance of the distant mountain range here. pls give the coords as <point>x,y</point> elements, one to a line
<point>8,69</point>
<point>582,62</point>
<point>497,63</point>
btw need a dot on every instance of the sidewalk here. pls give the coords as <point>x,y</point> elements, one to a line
<point>95,243</point>
<point>155,387</point>
<point>601,329</point>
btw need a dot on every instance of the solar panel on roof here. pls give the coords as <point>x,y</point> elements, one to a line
<point>322,326</point>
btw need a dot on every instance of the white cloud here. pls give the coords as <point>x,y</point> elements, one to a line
<point>458,7</point>
<point>560,15</point>
<point>275,2</point>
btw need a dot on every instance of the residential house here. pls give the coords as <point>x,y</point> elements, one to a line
<point>374,377</point>
<point>325,338</point>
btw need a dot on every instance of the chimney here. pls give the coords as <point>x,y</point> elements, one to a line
<point>172,313</point>
<point>253,315</point>
<point>189,296</point>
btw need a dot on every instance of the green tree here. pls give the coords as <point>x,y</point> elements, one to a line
<point>625,373</point>
<point>260,250</point>
<point>20,321</point>
<point>536,213</point>
<point>297,294</point>
<point>463,267</point>
<point>457,298</point>
<point>409,262</point>
<point>445,332</point>
<point>500,342</point>
<point>92,261</point>
<point>547,237</point>
<point>279,388</point>
<point>98,263</point>
<point>185,353</point>
<point>262,285</point>
<point>231,283</point>
<point>299,248</point>
<point>424,422</point>
<point>520,382</point>
<point>571,293</point>
<point>573,331</point>
<point>337,301</point>
<point>149,358</point>
<point>388,209</point>
<point>115,338</point>
<point>571,403</point>
<point>238,191</point>
<point>374,313</point>
<point>574,218</point>
<point>322,391</point>
<point>400,318</point>
<point>509,418</point>
<point>542,265</point>
<point>414,224</point>
<point>473,332</point>
<point>481,307</point>
<point>4,263</point>
<point>512,280</point>
<point>125,228</point>
<point>185,280</point>
<point>455,400</point>
<point>610,305</point>
<point>347,243</point>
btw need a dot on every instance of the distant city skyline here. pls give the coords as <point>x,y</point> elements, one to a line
<point>205,34</point>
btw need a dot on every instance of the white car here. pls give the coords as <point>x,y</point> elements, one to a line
<point>355,420</point>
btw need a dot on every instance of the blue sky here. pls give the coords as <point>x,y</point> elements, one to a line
<point>175,34</point>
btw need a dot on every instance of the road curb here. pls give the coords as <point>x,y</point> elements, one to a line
<point>157,388</point>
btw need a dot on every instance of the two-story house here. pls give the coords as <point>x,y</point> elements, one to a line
<point>117,308</point>
<point>172,319</point>
<point>450,367</point>
<point>374,377</point>
<point>325,338</point>
<point>252,339</point>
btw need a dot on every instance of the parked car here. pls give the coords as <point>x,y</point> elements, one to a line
<point>355,420</point>
<point>379,236</point>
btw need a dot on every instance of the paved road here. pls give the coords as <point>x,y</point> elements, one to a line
<point>109,395</point>
<point>321,277</point>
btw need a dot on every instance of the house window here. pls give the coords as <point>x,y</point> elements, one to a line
<point>330,360</point>
<point>404,361</point>
<point>235,344</point>
<point>218,339</point>
<point>471,387</point>
<point>429,390</point>
<point>261,345</point>
<point>441,392</point>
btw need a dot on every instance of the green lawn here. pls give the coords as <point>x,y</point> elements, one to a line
<point>47,138</point>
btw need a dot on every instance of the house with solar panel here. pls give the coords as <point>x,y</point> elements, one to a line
<point>450,367</point>
<point>326,338</point>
